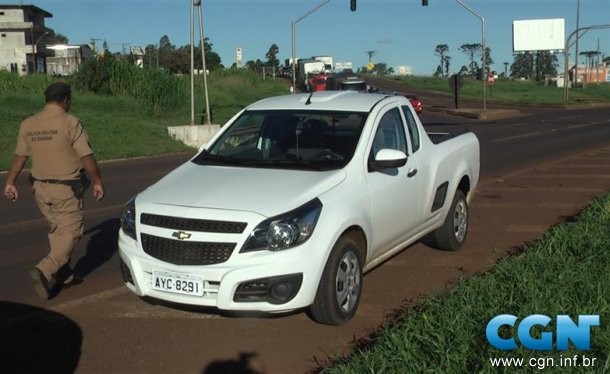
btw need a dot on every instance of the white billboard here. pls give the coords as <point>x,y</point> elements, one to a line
<point>539,35</point>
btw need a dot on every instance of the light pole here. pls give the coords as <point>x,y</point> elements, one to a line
<point>197,3</point>
<point>484,49</point>
<point>566,93</point>
<point>205,71</point>
<point>292,29</point>
<point>35,49</point>
<point>192,36</point>
<point>577,37</point>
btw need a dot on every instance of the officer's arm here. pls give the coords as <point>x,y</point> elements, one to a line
<point>10,191</point>
<point>90,165</point>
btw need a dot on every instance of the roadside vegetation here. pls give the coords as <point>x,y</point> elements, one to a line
<point>566,271</point>
<point>508,91</point>
<point>127,110</point>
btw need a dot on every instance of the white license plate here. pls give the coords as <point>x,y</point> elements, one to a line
<point>186,284</point>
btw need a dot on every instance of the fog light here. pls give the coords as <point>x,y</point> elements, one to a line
<point>280,291</point>
<point>275,290</point>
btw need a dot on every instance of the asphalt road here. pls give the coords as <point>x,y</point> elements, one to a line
<point>108,329</point>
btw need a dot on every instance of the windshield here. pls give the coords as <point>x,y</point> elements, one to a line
<point>307,140</point>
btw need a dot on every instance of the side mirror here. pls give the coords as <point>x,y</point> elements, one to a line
<point>387,159</point>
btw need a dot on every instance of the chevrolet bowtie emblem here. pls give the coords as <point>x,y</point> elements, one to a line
<point>181,235</point>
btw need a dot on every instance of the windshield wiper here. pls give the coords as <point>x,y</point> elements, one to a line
<point>295,163</point>
<point>206,158</point>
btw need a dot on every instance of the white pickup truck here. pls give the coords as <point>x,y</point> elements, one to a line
<point>293,200</point>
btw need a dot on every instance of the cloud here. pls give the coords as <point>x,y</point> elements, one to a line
<point>385,40</point>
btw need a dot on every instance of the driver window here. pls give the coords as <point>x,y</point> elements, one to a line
<point>390,133</point>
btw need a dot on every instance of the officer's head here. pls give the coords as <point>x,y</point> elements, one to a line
<point>60,93</point>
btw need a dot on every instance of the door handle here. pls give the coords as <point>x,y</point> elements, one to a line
<point>411,172</point>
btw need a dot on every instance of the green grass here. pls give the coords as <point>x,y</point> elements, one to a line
<point>512,91</point>
<point>124,126</point>
<point>566,271</point>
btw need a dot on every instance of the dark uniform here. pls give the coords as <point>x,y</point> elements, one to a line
<point>59,148</point>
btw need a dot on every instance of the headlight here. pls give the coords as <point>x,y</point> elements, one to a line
<point>286,230</point>
<point>128,218</point>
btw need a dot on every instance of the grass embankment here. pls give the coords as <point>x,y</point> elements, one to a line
<point>127,125</point>
<point>516,92</point>
<point>566,271</point>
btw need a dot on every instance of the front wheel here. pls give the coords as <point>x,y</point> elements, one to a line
<point>452,234</point>
<point>340,287</point>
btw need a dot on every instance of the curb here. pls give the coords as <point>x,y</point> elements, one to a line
<point>489,114</point>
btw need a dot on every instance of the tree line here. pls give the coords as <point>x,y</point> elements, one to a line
<point>530,65</point>
<point>474,52</point>
<point>536,65</point>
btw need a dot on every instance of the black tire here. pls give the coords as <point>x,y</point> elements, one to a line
<point>452,234</point>
<point>340,287</point>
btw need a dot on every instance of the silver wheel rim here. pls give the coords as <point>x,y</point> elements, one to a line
<point>460,220</point>
<point>347,286</point>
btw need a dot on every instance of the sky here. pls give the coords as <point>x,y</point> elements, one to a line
<point>400,32</point>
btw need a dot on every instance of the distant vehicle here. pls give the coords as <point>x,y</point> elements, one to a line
<point>327,60</point>
<point>346,82</point>
<point>293,201</point>
<point>307,68</point>
<point>413,99</point>
<point>318,82</point>
<point>285,71</point>
<point>415,102</point>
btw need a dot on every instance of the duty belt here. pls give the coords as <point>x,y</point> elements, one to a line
<point>67,182</point>
<point>78,186</point>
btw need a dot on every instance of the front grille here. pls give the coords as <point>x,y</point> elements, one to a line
<point>192,224</point>
<point>179,252</point>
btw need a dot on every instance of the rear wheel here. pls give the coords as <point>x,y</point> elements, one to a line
<point>452,234</point>
<point>340,287</point>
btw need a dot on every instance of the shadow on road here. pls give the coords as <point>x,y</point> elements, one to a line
<point>241,365</point>
<point>101,247</point>
<point>213,311</point>
<point>35,340</point>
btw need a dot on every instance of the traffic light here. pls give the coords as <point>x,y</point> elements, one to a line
<point>352,5</point>
<point>424,2</point>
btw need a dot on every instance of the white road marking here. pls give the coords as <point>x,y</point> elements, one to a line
<point>141,311</point>
<point>515,137</point>
<point>584,125</point>
<point>95,298</point>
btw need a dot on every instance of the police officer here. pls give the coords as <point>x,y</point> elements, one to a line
<point>60,150</point>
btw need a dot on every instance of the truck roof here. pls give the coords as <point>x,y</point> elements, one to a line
<point>322,100</point>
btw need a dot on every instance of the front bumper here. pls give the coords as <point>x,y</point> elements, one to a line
<point>291,277</point>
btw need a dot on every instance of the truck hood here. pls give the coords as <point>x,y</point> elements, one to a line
<point>264,191</point>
